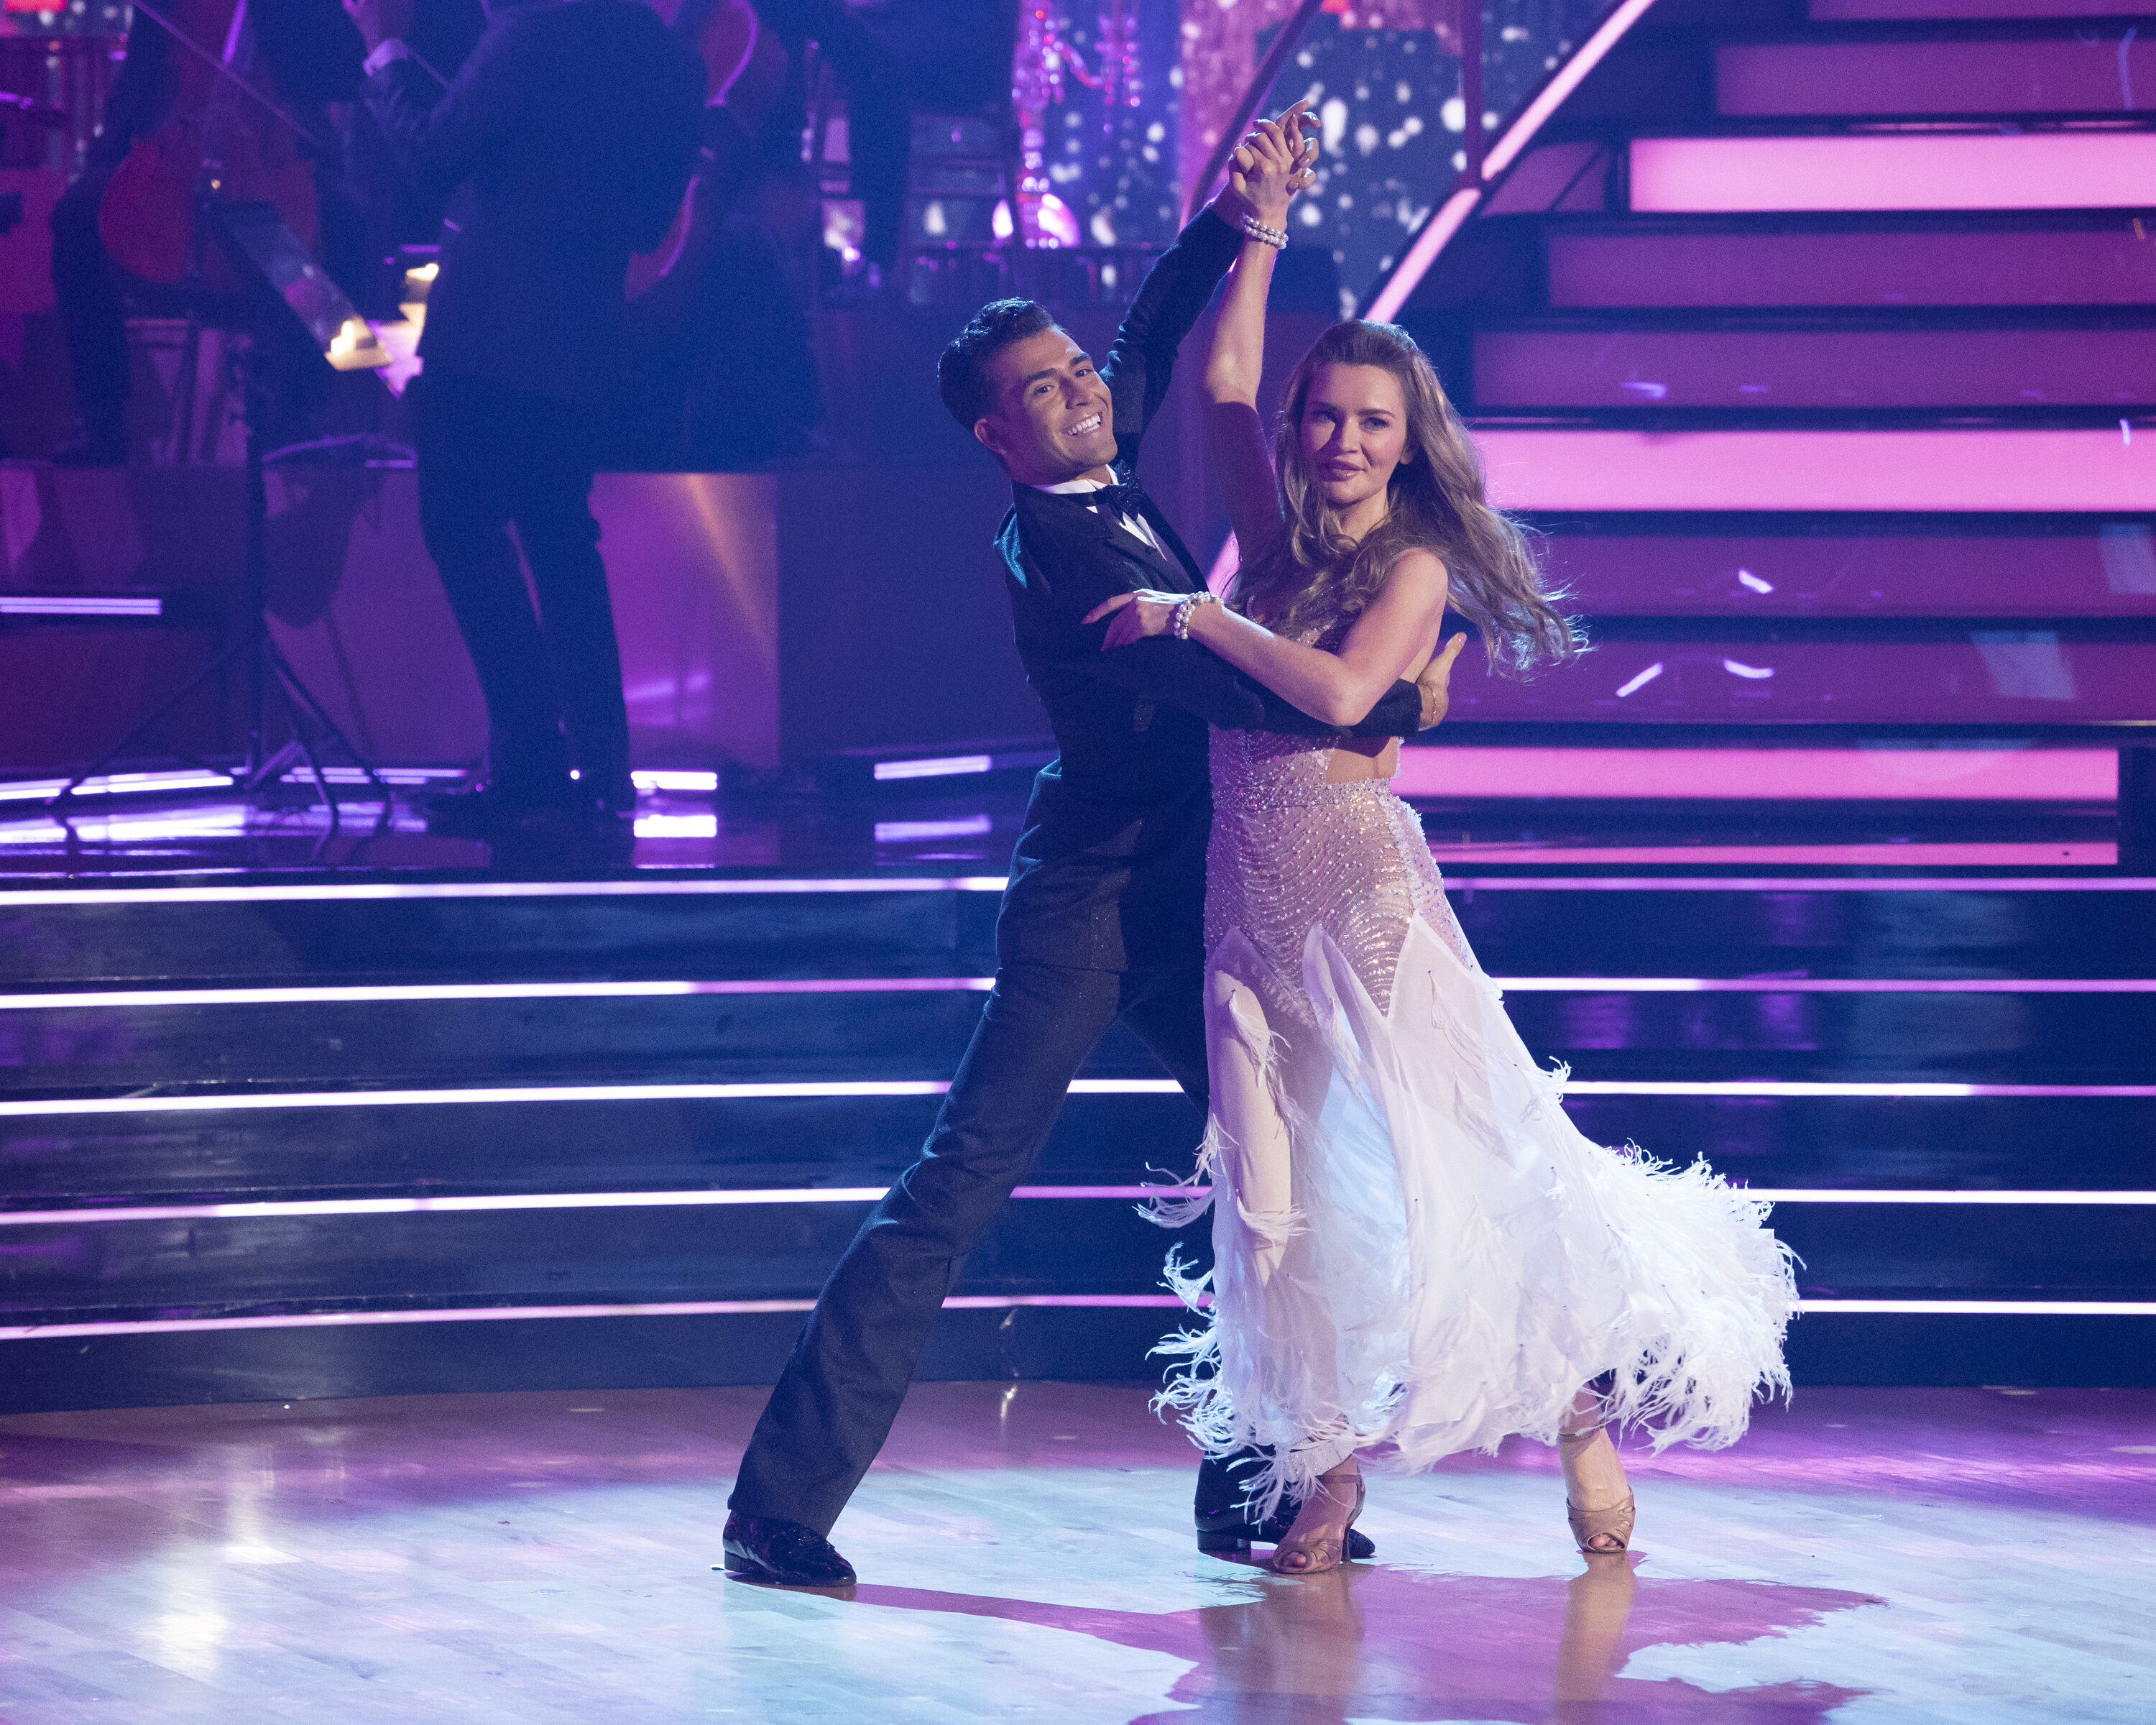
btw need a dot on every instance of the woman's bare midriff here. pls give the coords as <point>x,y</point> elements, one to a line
<point>1355,757</point>
<point>1359,757</point>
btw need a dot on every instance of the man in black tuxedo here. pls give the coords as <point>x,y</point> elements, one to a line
<point>568,137</point>
<point>1104,916</point>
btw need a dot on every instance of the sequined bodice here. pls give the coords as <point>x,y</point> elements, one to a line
<point>1291,852</point>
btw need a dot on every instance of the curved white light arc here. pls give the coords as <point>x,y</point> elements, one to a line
<point>1437,233</point>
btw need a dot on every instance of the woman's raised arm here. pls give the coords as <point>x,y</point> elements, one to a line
<point>1271,167</point>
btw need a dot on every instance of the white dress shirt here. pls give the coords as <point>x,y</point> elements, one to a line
<point>1137,524</point>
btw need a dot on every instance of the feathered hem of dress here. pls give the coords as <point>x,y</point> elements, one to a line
<point>1696,1293</point>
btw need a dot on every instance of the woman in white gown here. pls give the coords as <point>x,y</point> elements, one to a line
<point>1416,1253</point>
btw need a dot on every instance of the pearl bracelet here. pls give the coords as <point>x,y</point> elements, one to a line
<point>1179,619</point>
<point>1276,238</point>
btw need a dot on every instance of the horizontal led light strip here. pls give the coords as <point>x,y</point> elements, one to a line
<point>1993,169</point>
<point>1812,1195</point>
<point>38,604</point>
<point>1789,883</point>
<point>1989,1308</point>
<point>1780,774</point>
<point>276,1209</point>
<point>958,1302</point>
<point>1800,985</point>
<point>356,890</point>
<point>541,1093</point>
<point>373,993</point>
<point>339,891</point>
<point>496,1314</point>
<point>40,790</point>
<point>2002,855</point>
<point>1799,1087</point>
<point>61,1106</point>
<point>1976,469</point>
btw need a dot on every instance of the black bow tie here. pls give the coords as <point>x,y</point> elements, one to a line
<point>1117,501</point>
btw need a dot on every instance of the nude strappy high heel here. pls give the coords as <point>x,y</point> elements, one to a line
<point>1589,1527</point>
<point>1314,1557</point>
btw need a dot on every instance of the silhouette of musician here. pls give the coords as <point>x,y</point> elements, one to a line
<point>309,55</point>
<point>567,140</point>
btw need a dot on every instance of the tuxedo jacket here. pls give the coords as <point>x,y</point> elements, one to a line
<point>567,138</point>
<point>1110,870</point>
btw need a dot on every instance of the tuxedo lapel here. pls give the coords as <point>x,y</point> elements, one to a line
<point>1169,574</point>
<point>1080,530</point>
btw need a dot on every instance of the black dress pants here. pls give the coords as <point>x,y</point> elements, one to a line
<point>848,1373</point>
<point>490,458</point>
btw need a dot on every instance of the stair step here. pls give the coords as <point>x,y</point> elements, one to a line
<point>1880,566</point>
<point>1540,926</point>
<point>1852,11</point>
<point>2107,263</point>
<point>1762,369</point>
<point>2057,75</point>
<point>1452,773</point>
<point>345,1263</point>
<point>397,1044</point>
<point>149,1270</point>
<point>1960,169</point>
<point>65,1161</point>
<point>2013,1142</point>
<point>2030,1144</point>
<point>457,1046</point>
<point>1982,470</point>
<point>415,932</point>
<point>2003,678</point>
<point>765,1251</point>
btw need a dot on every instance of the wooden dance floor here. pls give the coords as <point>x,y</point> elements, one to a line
<point>1891,1555</point>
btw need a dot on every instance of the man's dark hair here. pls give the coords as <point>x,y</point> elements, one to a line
<point>962,374</point>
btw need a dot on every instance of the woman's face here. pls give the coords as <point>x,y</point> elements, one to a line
<point>1354,431</point>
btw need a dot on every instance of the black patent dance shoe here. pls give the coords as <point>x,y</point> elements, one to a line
<point>764,1549</point>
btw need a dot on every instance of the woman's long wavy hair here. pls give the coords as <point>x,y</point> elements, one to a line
<point>1313,575</point>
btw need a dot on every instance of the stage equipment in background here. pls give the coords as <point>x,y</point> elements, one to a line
<point>1046,56</point>
<point>1208,179</point>
<point>400,337</point>
<point>729,39</point>
<point>281,286</point>
<point>226,138</point>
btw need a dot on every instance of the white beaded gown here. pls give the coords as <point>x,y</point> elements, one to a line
<point>1415,1252</point>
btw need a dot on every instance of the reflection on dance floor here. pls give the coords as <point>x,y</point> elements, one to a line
<point>1973,1555</point>
<point>1368,1641</point>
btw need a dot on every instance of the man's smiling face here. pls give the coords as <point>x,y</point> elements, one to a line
<point>1052,419</point>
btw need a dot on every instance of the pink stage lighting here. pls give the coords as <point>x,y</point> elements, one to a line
<point>1984,470</point>
<point>2109,169</point>
<point>1984,775</point>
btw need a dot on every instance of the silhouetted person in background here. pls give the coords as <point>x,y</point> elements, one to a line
<point>393,212</point>
<point>891,58</point>
<point>568,138</point>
